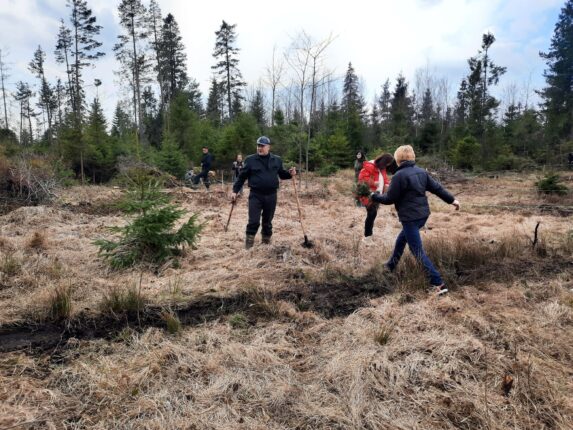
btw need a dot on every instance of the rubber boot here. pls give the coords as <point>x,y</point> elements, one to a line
<point>249,241</point>
<point>266,240</point>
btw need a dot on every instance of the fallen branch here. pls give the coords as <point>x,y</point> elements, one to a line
<point>534,241</point>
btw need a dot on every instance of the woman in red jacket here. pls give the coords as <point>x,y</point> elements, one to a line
<point>374,174</point>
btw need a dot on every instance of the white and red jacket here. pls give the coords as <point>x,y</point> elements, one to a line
<point>374,177</point>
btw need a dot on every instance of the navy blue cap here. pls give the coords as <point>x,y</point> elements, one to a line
<point>263,140</point>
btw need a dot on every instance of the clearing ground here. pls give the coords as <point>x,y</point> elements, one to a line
<point>284,337</point>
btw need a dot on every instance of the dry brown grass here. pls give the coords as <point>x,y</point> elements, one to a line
<point>397,361</point>
<point>38,241</point>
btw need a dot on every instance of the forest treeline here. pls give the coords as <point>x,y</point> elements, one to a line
<point>313,117</point>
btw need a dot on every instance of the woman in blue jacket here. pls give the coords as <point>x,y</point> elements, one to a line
<point>407,192</point>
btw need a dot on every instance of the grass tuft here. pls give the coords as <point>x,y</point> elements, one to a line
<point>60,306</point>
<point>172,321</point>
<point>120,301</point>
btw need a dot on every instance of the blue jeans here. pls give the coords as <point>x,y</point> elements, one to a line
<point>410,235</point>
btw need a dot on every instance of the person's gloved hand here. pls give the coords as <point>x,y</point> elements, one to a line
<point>456,203</point>
<point>374,196</point>
<point>233,197</point>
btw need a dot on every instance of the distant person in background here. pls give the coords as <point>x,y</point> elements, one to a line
<point>236,168</point>
<point>373,173</point>
<point>189,176</point>
<point>206,161</point>
<point>407,192</point>
<point>358,162</point>
<point>570,159</point>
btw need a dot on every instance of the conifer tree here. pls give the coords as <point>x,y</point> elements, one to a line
<point>401,123</point>
<point>172,68</point>
<point>353,108</point>
<point>84,49</point>
<point>257,109</point>
<point>3,79</point>
<point>46,97</point>
<point>558,93</point>
<point>227,68</point>
<point>152,119</point>
<point>100,158</point>
<point>130,53</point>
<point>214,111</point>
<point>151,236</point>
<point>23,96</point>
<point>154,23</point>
<point>194,97</point>
<point>63,53</point>
<point>121,125</point>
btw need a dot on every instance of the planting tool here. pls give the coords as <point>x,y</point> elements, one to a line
<point>233,203</point>
<point>307,243</point>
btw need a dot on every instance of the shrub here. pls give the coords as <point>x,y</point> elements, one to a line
<point>327,170</point>
<point>32,179</point>
<point>466,153</point>
<point>551,185</point>
<point>150,237</point>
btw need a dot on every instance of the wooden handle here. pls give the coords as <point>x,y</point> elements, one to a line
<point>298,205</point>
<point>230,213</point>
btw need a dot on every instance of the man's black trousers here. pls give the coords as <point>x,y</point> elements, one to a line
<point>265,204</point>
<point>203,175</point>
<point>371,212</point>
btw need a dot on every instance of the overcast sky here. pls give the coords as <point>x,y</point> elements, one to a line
<point>381,38</point>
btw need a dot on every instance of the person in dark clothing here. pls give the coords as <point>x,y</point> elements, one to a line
<point>263,171</point>
<point>570,159</point>
<point>407,192</point>
<point>206,161</point>
<point>358,162</point>
<point>236,169</point>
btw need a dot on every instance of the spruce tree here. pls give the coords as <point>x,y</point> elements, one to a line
<point>121,127</point>
<point>558,93</point>
<point>194,97</point>
<point>3,79</point>
<point>214,103</point>
<point>84,49</point>
<point>481,105</point>
<point>257,109</point>
<point>353,108</point>
<point>46,97</point>
<point>100,158</point>
<point>23,96</point>
<point>154,23</point>
<point>172,70</point>
<point>63,53</point>
<point>401,111</point>
<point>227,68</point>
<point>151,236</point>
<point>152,118</point>
<point>130,53</point>
<point>170,159</point>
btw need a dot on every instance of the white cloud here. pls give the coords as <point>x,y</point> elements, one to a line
<point>379,38</point>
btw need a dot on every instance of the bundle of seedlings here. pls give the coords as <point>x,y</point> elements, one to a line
<point>360,190</point>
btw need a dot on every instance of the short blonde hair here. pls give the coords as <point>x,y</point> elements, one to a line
<point>404,153</point>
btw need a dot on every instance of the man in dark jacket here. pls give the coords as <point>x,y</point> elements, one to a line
<point>206,161</point>
<point>263,171</point>
<point>407,192</point>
